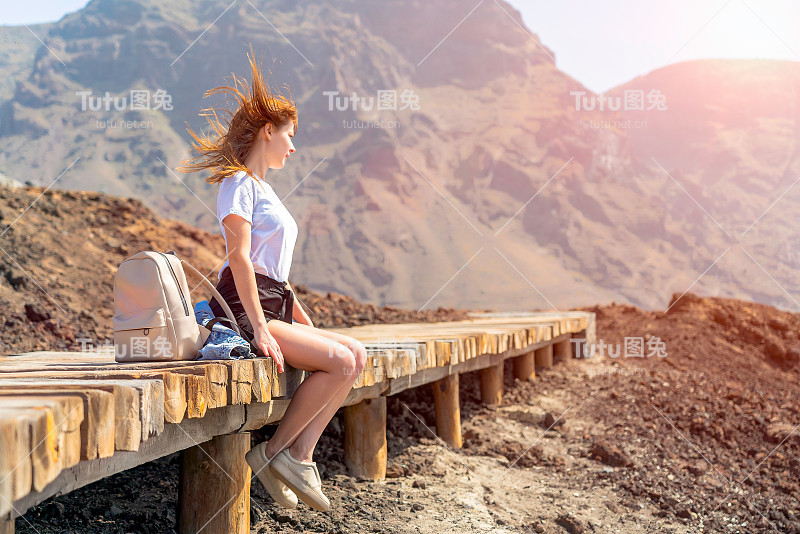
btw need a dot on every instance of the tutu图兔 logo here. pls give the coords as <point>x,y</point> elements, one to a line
<point>632,347</point>
<point>138,99</point>
<point>387,99</point>
<point>632,100</point>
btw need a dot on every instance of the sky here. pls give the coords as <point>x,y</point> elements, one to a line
<point>605,43</point>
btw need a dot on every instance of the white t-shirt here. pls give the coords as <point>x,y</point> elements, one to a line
<point>274,231</point>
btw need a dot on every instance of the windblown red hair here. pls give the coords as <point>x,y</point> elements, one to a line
<point>224,152</point>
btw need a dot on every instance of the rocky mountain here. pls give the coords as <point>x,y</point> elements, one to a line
<point>18,50</point>
<point>481,186</point>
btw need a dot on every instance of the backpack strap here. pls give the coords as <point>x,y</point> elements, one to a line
<point>217,296</point>
<point>210,324</point>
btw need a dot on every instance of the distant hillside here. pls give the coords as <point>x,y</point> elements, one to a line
<point>495,177</point>
<point>18,50</point>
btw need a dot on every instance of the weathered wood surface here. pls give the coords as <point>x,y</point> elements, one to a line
<point>365,448</point>
<point>525,367</point>
<point>214,493</point>
<point>127,412</point>
<point>175,437</point>
<point>135,412</point>
<point>492,385</point>
<point>448,410</point>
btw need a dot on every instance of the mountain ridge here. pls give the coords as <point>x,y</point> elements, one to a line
<point>403,216</point>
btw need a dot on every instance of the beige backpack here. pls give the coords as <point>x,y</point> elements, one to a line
<point>153,312</point>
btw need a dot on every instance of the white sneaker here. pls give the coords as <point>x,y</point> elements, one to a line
<point>303,479</point>
<point>259,463</point>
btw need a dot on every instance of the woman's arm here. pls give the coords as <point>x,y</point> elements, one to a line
<point>237,231</point>
<point>298,312</point>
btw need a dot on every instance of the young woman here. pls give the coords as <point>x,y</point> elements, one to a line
<point>260,235</point>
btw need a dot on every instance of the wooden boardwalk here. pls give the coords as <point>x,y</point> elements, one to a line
<point>68,419</point>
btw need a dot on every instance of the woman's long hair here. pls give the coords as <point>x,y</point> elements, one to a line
<point>224,152</point>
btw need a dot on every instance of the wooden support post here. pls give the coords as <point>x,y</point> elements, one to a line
<point>212,474</point>
<point>562,351</point>
<point>581,348</point>
<point>492,385</point>
<point>544,357</point>
<point>524,368</point>
<point>6,526</point>
<point>448,412</point>
<point>365,438</point>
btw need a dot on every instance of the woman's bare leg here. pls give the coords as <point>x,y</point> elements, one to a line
<point>304,444</point>
<point>334,368</point>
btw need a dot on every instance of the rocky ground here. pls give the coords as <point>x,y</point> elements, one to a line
<point>702,438</point>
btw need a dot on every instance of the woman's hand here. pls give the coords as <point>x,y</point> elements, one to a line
<point>266,342</point>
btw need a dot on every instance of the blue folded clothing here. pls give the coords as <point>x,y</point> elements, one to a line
<point>223,343</point>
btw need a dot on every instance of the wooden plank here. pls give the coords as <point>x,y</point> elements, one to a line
<point>481,329</point>
<point>378,371</point>
<point>368,373</point>
<point>470,342</point>
<point>420,378</point>
<point>278,384</point>
<point>442,353</point>
<point>8,444</point>
<point>174,396</point>
<point>566,321</point>
<point>230,383</point>
<point>294,377</point>
<point>68,413</point>
<point>432,374</point>
<point>258,414</point>
<point>372,392</point>
<point>172,389</point>
<point>36,448</point>
<point>127,418</point>
<point>198,382</point>
<point>211,390</point>
<point>175,437</point>
<point>15,463</point>
<point>241,377</point>
<point>199,394</point>
<point>151,403</point>
<point>262,380</point>
<point>231,386</point>
<point>97,427</point>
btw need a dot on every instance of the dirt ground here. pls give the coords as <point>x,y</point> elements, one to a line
<point>700,439</point>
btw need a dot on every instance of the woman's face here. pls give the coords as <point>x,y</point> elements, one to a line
<point>279,144</point>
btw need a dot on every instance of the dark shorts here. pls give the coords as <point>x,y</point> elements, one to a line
<point>277,302</point>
